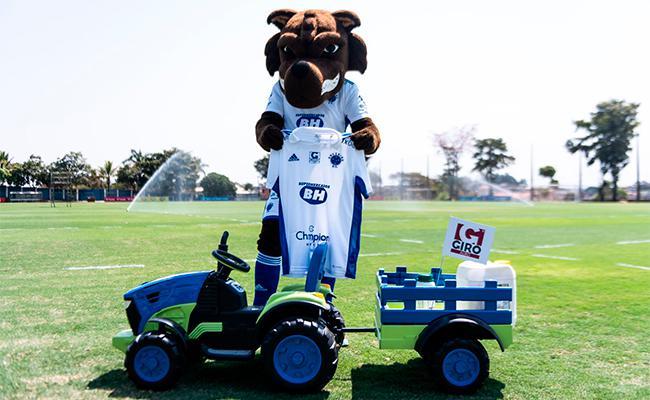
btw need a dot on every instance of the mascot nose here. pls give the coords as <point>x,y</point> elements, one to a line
<point>300,69</point>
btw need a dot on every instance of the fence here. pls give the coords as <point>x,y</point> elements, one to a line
<point>57,194</point>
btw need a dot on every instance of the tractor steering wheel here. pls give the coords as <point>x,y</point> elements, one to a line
<point>231,261</point>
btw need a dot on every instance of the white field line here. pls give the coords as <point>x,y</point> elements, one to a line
<point>504,251</point>
<point>634,241</point>
<point>368,235</point>
<point>393,253</point>
<point>411,241</point>
<point>104,267</point>
<point>554,246</point>
<point>633,266</point>
<point>555,257</point>
<point>63,227</point>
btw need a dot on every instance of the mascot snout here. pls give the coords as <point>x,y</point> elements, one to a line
<point>305,84</point>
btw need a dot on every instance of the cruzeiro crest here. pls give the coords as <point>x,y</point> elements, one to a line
<point>336,159</point>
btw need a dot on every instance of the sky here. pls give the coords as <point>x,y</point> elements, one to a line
<point>105,77</point>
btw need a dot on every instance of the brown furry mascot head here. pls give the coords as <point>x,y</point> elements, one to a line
<point>313,51</point>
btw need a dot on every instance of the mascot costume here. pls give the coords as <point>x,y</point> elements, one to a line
<point>312,52</point>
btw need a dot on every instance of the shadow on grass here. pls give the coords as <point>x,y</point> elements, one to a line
<point>246,380</point>
<point>408,381</point>
<point>213,380</point>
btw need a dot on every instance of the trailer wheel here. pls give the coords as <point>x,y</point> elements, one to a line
<point>459,366</point>
<point>154,361</point>
<point>300,355</point>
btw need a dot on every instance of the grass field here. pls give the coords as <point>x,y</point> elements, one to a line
<point>583,304</point>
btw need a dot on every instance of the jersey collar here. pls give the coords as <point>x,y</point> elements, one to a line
<point>315,135</point>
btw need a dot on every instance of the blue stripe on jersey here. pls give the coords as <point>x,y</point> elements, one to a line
<point>355,229</point>
<point>286,267</point>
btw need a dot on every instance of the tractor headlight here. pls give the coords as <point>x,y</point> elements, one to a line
<point>127,303</point>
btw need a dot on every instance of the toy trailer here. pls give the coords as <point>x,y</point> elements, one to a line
<point>444,334</point>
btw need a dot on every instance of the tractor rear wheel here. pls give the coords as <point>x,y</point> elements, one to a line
<point>300,355</point>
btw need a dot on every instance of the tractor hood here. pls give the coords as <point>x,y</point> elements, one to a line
<point>147,299</point>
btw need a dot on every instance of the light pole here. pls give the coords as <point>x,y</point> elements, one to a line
<point>638,169</point>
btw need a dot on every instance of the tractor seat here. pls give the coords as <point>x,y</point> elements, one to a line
<point>315,272</point>
<point>316,268</point>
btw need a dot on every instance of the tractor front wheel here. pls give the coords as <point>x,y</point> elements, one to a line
<point>154,361</point>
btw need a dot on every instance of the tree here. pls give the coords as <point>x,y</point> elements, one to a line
<point>32,173</point>
<point>106,172</point>
<point>139,167</point>
<point>411,180</point>
<point>75,165</point>
<point>548,172</point>
<point>452,144</point>
<point>608,139</point>
<point>262,166</point>
<point>249,187</point>
<point>217,185</point>
<point>490,156</point>
<point>5,166</point>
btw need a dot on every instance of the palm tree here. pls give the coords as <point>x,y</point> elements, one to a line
<point>106,172</point>
<point>5,167</point>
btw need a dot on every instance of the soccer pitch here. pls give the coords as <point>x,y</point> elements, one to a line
<point>583,274</point>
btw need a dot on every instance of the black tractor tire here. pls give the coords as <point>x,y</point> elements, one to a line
<point>336,323</point>
<point>466,369</point>
<point>154,360</point>
<point>318,342</point>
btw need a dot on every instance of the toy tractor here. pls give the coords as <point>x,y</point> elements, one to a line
<point>187,317</point>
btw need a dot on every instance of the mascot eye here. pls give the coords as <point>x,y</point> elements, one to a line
<point>286,50</point>
<point>331,49</point>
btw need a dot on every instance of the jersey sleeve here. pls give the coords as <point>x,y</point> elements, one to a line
<point>276,100</point>
<point>355,106</point>
<point>362,177</point>
<point>273,172</point>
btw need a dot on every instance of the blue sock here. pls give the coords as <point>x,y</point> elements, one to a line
<point>267,277</point>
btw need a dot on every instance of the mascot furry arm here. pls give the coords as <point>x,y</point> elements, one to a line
<point>302,53</point>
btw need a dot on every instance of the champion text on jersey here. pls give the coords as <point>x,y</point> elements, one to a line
<point>313,193</point>
<point>294,157</point>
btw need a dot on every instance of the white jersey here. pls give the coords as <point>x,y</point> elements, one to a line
<point>344,108</point>
<point>320,179</point>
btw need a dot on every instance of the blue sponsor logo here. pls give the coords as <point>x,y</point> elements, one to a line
<point>314,157</point>
<point>336,159</point>
<point>294,157</point>
<point>313,194</point>
<point>310,120</point>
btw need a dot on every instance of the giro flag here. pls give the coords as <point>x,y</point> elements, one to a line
<point>468,240</point>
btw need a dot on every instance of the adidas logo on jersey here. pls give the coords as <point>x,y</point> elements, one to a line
<point>294,157</point>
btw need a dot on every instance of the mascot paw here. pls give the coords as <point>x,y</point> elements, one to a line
<point>365,140</point>
<point>272,137</point>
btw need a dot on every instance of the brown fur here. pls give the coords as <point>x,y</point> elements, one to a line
<point>302,39</point>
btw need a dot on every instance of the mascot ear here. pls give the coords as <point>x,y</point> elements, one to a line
<point>272,54</point>
<point>357,60</point>
<point>347,19</point>
<point>357,48</point>
<point>280,18</point>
